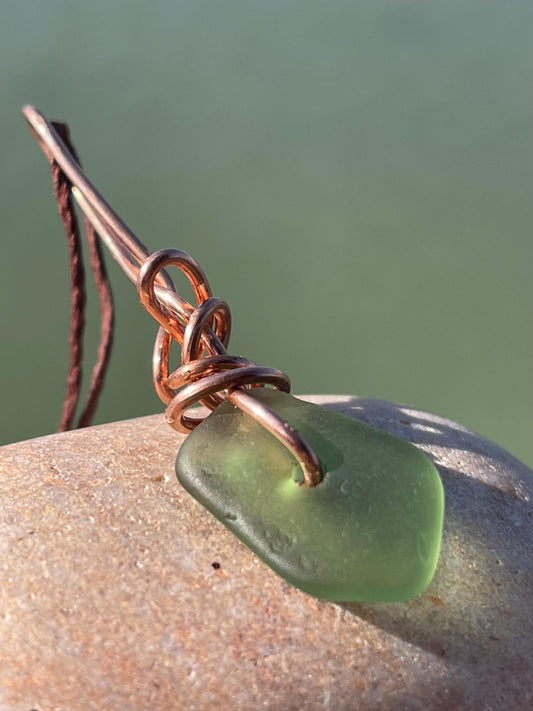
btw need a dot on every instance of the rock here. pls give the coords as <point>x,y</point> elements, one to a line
<point>118,591</point>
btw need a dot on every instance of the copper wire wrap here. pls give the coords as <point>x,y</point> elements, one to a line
<point>207,374</point>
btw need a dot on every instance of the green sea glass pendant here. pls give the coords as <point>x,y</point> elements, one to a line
<point>370,530</point>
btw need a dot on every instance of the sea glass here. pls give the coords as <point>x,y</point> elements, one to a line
<point>370,530</point>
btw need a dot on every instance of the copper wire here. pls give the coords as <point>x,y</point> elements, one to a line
<point>207,373</point>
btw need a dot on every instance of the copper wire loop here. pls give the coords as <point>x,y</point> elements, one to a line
<point>207,375</point>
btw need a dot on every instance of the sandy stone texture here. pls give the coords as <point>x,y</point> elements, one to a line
<point>118,591</point>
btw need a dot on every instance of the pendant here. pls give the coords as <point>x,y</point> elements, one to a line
<point>370,530</point>
<point>341,510</point>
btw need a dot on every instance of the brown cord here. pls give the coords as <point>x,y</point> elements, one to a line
<point>65,206</point>
<point>62,191</point>
<point>107,322</point>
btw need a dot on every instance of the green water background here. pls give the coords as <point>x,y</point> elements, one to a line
<point>356,178</point>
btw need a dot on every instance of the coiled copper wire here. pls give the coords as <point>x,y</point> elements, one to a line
<point>207,373</point>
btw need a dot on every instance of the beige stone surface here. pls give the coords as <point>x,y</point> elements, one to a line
<point>109,599</point>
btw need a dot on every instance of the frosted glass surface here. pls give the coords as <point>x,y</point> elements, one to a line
<point>370,530</point>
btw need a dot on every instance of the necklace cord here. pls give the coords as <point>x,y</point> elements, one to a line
<point>63,195</point>
<point>207,373</point>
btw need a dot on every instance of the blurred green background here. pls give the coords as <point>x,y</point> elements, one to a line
<point>354,177</point>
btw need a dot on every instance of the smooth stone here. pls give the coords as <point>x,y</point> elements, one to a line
<point>109,598</point>
<point>370,530</point>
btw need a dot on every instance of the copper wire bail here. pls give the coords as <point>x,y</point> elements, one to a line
<point>207,373</point>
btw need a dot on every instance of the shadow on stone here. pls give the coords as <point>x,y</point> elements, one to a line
<point>477,610</point>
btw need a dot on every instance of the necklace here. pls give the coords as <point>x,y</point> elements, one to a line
<point>341,510</point>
